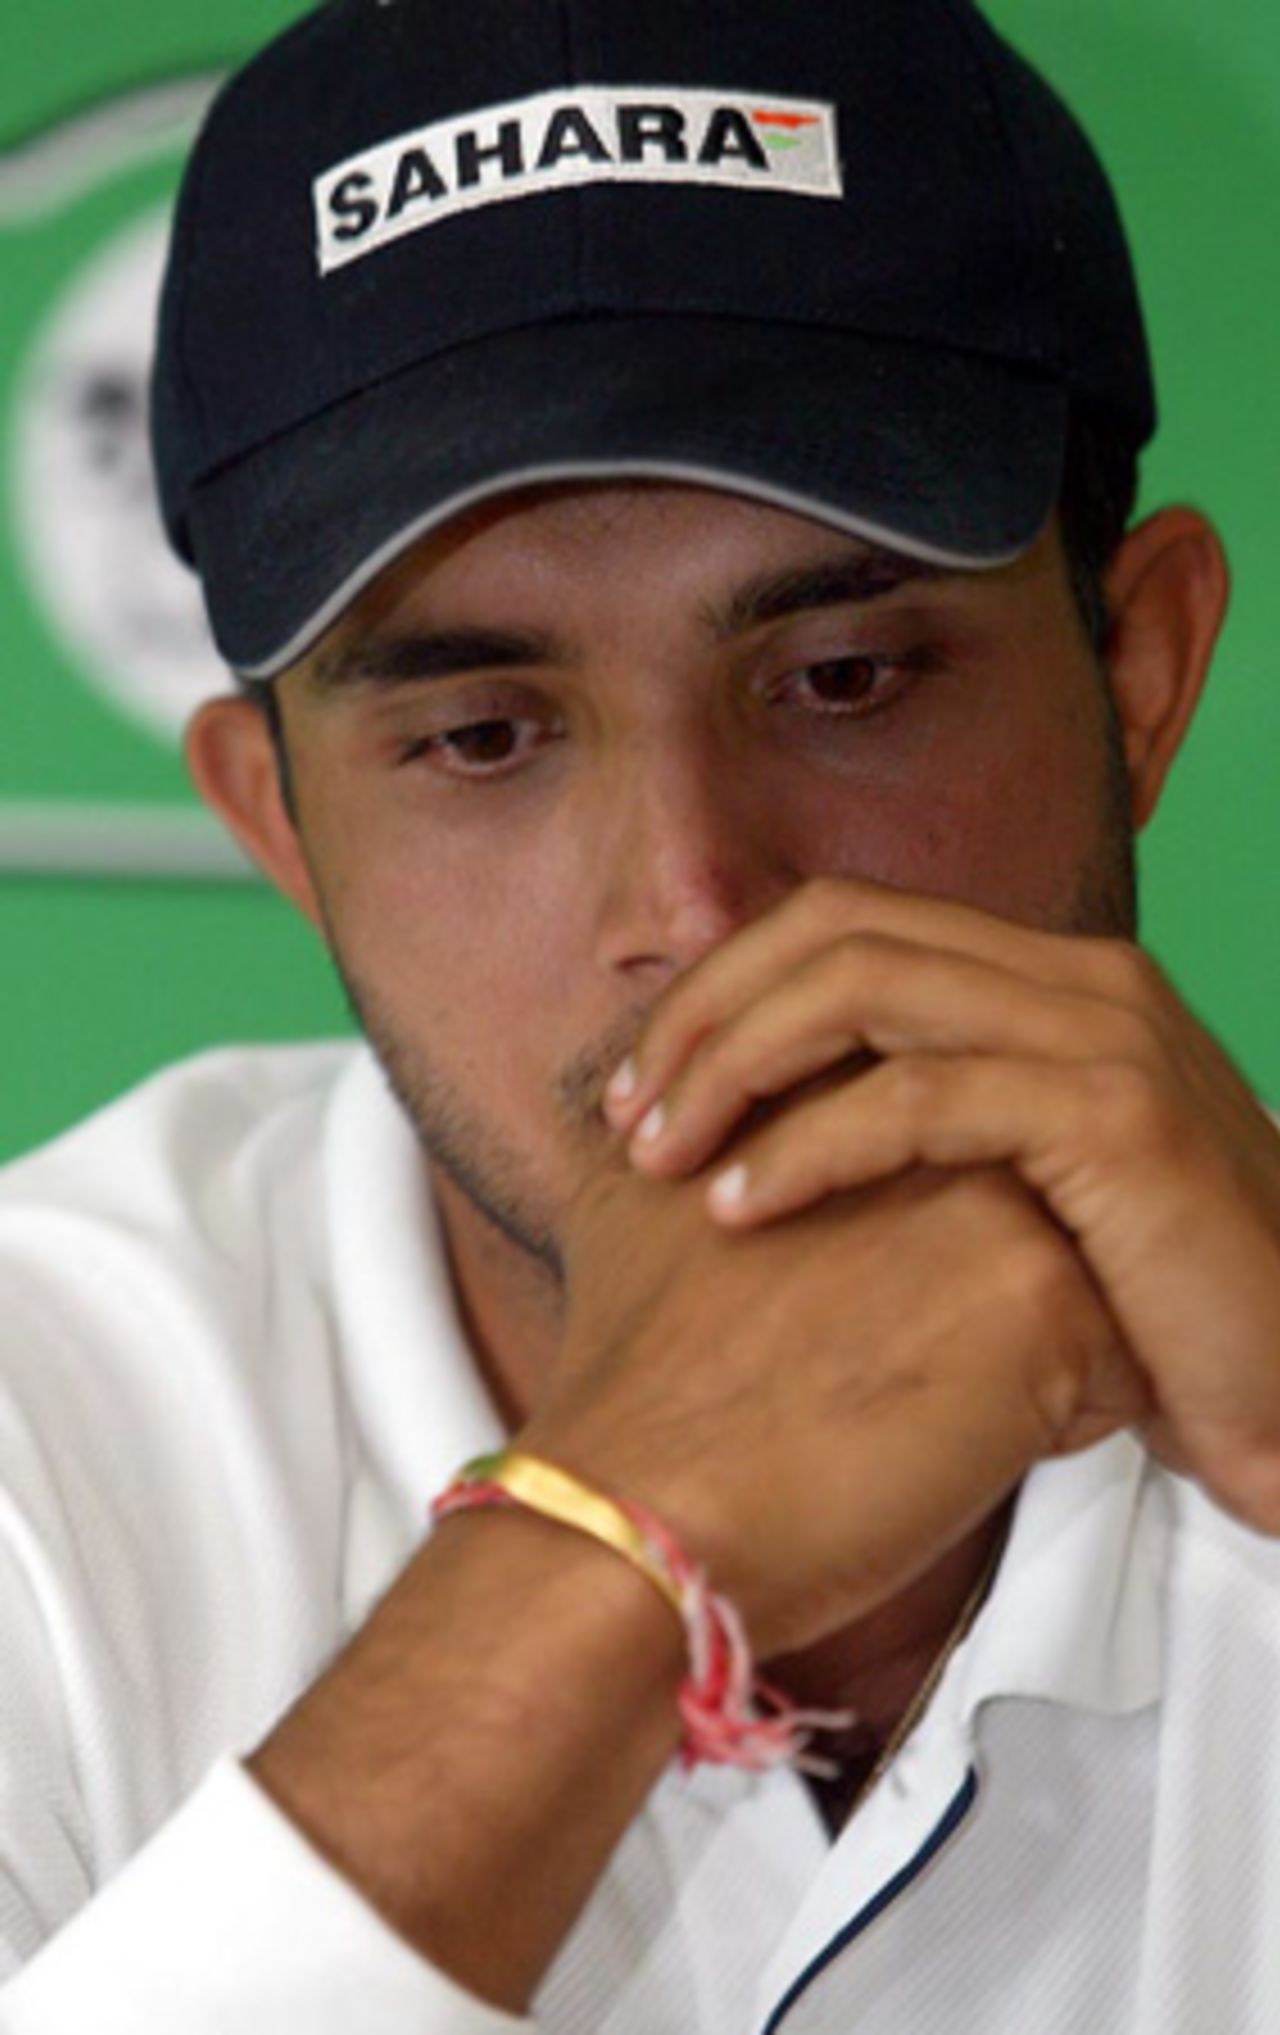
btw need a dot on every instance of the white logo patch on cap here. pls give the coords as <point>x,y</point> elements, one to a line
<point>595,134</point>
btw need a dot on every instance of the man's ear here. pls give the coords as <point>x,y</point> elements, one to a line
<point>233,763</point>
<point>1167,590</point>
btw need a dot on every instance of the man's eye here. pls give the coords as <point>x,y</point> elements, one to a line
<point>479,749</point>
<point>844,684</point>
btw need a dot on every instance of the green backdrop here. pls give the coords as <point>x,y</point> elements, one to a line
<point>128,935</point>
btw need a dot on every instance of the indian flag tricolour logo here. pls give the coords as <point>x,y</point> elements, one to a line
<point>780,131</point>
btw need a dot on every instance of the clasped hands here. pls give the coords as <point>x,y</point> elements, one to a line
<point>915,1197</point>
<point>1069,1060</point>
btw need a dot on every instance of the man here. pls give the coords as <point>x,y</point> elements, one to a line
<point>662,476</point>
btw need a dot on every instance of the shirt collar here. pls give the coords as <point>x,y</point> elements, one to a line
<point>1077,1612</point>
<point>419,1402</point>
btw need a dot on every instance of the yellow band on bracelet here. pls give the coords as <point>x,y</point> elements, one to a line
<point>557,1495</point>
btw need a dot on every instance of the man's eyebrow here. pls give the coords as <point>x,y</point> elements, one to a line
<point>850,579</point>
<point>382,663</point>
<point>378,664</point>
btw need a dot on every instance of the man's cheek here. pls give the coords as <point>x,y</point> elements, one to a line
<point>955,840</point>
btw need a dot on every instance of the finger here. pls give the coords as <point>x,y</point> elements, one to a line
<point>910,1112</point>
<point>816,914</point>
<point>1083,1136</point>
<point>876,997</point>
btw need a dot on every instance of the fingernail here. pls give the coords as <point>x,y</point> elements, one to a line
<point>623,1084</point>
<point>728,1190</point>
<point>651,1127</point>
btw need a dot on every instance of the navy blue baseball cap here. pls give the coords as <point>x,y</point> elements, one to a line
<point>853,258</point>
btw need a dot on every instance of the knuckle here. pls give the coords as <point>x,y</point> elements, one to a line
<point>1128,1040</point>
<point>1127,972</point>
<point>910,1087</point>
<point>869,962</point>
<point>1130,1037</point>
<point>1131,1107</point>
<point>823,901</point>
<point>1038,1270</point>
<point>717,1063</point>
<point>1066,1336</point>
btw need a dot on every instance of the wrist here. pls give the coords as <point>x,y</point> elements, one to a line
<point>471,1760</point>
<point>730,1716</point>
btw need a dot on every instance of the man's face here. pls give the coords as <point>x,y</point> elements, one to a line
<point>564,750</point>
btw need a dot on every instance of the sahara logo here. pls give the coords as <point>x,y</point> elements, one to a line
<point>597,134</point>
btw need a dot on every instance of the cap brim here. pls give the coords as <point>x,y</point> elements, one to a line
<point>949,457</point>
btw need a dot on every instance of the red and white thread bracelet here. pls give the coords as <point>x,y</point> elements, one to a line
<point>731,1716</point>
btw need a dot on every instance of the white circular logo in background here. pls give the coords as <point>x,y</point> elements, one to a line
<point>128,614</point>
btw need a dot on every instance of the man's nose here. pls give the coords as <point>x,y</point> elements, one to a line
<point>693,848</point>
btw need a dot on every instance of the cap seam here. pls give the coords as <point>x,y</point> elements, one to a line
<point>569,66</point>
<point>971,28</point>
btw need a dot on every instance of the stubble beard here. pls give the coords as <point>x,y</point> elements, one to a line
<point>469,1148</point>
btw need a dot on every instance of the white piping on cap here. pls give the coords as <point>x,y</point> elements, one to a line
<point>587,470</point>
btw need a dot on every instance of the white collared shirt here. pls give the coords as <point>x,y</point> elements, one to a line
<point>231,1377</point>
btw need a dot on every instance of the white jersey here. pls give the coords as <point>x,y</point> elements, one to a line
<point>231,1379</point>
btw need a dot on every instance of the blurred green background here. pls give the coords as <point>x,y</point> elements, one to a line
<point>109,972</point>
